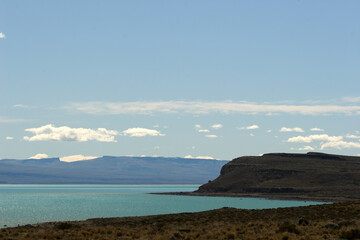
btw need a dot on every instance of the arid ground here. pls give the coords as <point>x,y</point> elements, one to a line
<point>328,221</point>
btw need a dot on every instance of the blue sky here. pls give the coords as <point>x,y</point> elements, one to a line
<point>217,79</point>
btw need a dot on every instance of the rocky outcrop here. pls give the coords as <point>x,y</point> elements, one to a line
<point>287,174</point>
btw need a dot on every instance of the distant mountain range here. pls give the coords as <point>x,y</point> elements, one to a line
<point>110,170</point>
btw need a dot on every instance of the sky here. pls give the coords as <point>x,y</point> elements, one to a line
<point>207,79</point>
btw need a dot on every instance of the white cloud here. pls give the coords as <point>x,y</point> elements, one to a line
<point>340,145</point>
<point>295,129</point>
<point>11,120</point>
<point>199,157</point>
<point>141,132</point>
<point>75,158</point>
<point>199,107</point>
<point>203,130</point>
<point>211,136</point>
<point>252,135</point>
<point>269,131</point>
<point>352,136</point>
<point>335,142</point>
<point>316,130</point>
<point>252,127</point>
<point>306,148</point>
<point>144,156</point>
<point>200,130</point>
<point>51,133</point>
<point>2,35</point>
<point>309,139</point>
<point>216,126</point>
<point>9,138</point>
<point>352,99</point>
<point>23,106</point>
<point>39,156</point>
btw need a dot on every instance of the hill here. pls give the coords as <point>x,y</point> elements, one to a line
<point>289,176</point>
<point>110,170</point>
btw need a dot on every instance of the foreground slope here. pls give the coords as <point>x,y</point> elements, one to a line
<point>110,170</point>
<point>327,221</point>
<point>282,175</point>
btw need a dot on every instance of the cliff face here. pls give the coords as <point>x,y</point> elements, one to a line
<point>311,174</point>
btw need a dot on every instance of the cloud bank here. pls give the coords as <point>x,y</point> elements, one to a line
<point>51,133</point>
<point>306,148</point>
<point>23,106</point>
<point>200,130</point>
<point>141,132</point>
<point>352,136</point>
<point>311,138</point>
<point>203,131</point>
<point>295,129</point>
<point>317,130</point>
<point>327,142</point>
<point>340,145</point>
<point>216,126</point>
<point>352,99</point>
<point>75,158</point>
<point>2,35</point>
<point>199,157</point>
<point>211,136</point>
<point>11,120</point>
<point>252,127</point>
<point>202,107</point>
<point>39,156</point>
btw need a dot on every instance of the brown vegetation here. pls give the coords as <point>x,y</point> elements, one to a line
<point>327,221</point>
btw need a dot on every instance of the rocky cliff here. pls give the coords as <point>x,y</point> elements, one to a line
<point>311,175</point>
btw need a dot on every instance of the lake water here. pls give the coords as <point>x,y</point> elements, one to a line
<point>26,204</point>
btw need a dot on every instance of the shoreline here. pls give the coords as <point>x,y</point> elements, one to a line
<point>263,196</point>
<point>324,221</point>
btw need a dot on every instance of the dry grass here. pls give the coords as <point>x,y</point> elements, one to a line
<point>329,221</point>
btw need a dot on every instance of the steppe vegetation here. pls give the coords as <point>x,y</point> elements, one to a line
<point>327,221</point>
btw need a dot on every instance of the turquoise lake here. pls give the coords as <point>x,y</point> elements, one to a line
<point>27,204</point>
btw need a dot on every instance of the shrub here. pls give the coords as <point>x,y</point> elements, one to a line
<point>351,234</point>
<point>230,236</point>
<point>65,225</point>
<point>287,227</point>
